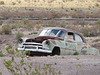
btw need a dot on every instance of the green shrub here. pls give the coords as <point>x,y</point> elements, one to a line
<point>10,50</point>
<point>76,53</point>
<point>62,57</point>
<point>1,54</point>
<point>6,29</point>
<point>28,68</point>
<point>1,22</point>
<point>0,73</point>
<point>78,58</point>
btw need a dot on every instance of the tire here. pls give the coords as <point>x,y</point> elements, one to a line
<point>56,51</point>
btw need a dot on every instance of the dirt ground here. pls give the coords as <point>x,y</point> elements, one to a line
<point>68,65</point>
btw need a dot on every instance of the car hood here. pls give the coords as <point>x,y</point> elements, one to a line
<point>40,39</point>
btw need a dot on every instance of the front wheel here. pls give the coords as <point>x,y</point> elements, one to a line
<point>56,51</point>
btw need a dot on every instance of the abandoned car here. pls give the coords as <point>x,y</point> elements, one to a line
<point>57,41</point>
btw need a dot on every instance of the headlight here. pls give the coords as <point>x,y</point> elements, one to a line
<point>47,42</point>
<point>20,40</point>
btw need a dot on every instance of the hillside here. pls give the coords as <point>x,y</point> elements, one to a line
<point>51,3</point>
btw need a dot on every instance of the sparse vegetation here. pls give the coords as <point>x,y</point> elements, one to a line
<point>78,58</point>
<point>1,54</point>
<point>91,31</point>
<point>13,3</point>
<point>1,22</point>
<point>50,13</point>
<point>62,57</point>
<point>19,35</point>
<point>10,50</point>
<point>2,3</point>
<point>14,52</point>
<point>79,64</point>
<point>76,53</point>
<point>27,67</point>
<point>25,64</point>
<point>0,73</point>
<point>6,29</point>
<point>33,33</point>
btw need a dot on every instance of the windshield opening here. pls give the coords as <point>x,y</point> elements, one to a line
<point>44,32</point>
<point>52,32</point>
<point>48,32</point>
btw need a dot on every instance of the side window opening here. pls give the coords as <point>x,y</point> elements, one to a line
<point>71,36</point>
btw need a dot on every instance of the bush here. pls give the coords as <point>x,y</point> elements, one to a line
<point>13,3</point>
<point>76,53</point>
<point>2,3</point>
<point>0,73</point>
<point>85,32</point>
<point>98,22</point>
<point>1,54</point>
<point>19,35</point>
<point>1,22</point>
<point>6,29</point>
<point>90,31</point>
<point>97,5</point>
<point>26,22</point>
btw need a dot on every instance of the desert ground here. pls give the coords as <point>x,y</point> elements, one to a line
<point>61,65</point>
<point>26,18</point>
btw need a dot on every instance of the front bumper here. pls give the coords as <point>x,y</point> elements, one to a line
<point>35,50</point>
<point>34,47</point>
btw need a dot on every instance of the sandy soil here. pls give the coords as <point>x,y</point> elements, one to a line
<point>68,65</point>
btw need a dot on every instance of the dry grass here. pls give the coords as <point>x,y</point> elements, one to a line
<point>68,4</point>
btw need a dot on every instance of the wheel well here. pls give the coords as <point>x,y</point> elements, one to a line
<point>56,51</point>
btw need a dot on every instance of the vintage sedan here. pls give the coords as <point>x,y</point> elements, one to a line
<point>57,41</point>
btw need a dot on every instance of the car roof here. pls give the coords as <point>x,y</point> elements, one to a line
<point>68,30</point>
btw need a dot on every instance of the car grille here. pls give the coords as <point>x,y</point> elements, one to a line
<point>32,46</point>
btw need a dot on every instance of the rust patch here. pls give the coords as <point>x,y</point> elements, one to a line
<point>60,41</point>
<point>84,47</point>
<point>79,44</point>
<point>40,39</point>
<point>53,42</point>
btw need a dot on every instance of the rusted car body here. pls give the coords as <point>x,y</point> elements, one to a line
<point>57,41</point>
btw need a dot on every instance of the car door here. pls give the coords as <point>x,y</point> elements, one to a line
<point>80,43</point>
<point>70,44</point>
